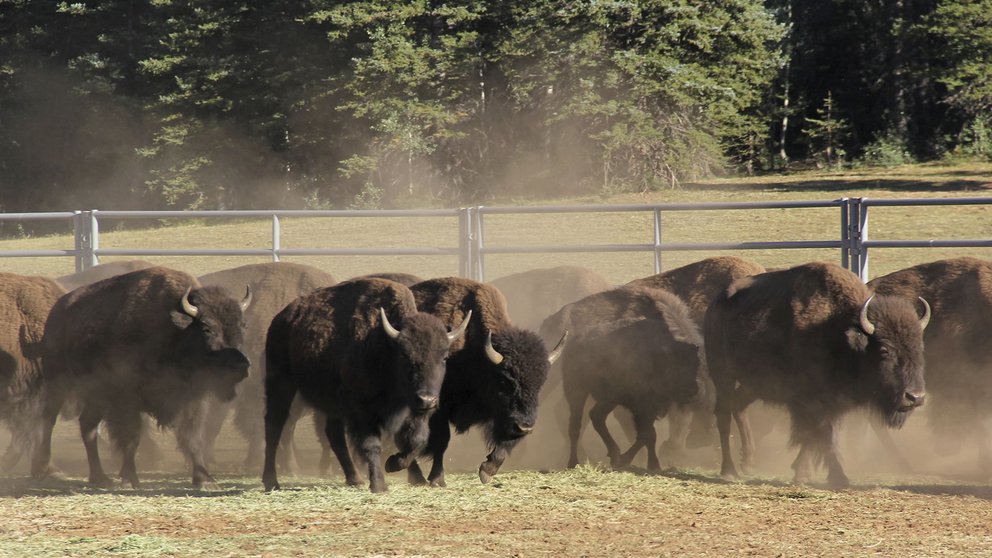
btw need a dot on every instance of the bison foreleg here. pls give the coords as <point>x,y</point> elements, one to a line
<point>370,447</point>
<point>597,416</point>
<point>495,459</point>
<point>41,460</point>
<point>728,470</point>
<point>576,407</point>
<point>646,438</point>
<point>334,430</point>
<point>189,435</point>
<point>437,445</point>
<point>125,430</point>
<point>89,420</point>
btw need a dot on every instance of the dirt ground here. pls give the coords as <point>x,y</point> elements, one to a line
<point>940,508</point>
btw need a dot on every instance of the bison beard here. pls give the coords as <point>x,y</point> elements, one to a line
<point>813,340</point>
<point>151,341</point>
<point>361,353</point>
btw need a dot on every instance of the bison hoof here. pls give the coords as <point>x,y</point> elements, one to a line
<point>394,463</point>
<point>484,475</point>
<point>379,488</point>
<point>49,473</point>
<point>208,485</point>
<point>101,481</point>
<point>439,483</point>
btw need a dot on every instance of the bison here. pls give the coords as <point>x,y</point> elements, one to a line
<point>644,365</point>
<point>361,353</point>
<point>407,279</point>
<point>24,306</point>
<point>151,341</point>
<point>493,378</point>
<point>274,285</point>
<point>815,340</point>
<point>959,357</point>
<point>532,296</point>
<point>99,272</point>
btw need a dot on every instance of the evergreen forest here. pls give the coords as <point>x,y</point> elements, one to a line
<point>209,104</point>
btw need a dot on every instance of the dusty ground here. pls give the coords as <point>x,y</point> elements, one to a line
<point>940,509</point>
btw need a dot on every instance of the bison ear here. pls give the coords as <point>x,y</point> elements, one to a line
<point>857,339</point>
<point>181,320</point>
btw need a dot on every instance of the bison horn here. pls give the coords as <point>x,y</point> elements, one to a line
<point>391,331</point>
<point>866,325</point>
<point>926,313</point>
<point>460,330</point>
<point>556,352</point>
<point>491,353</point>
<point>193,311</point>
<point>247,299</point>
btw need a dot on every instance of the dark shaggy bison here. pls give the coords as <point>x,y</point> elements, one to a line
<point>274,285</point>
<point>99,272</point>
<point>407,279</point>
<point>361,353</point>
<point>151,341</point>
<point>532,296</point>
<point>644,365</point>
<point>492,380</point>
<point>814,340</point>
<point>959,356</point>
<point>24,306</point>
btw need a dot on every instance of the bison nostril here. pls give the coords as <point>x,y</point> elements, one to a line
<point>915,399</point>
<point>428,401</point>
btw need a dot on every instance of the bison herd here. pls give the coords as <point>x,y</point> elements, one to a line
<point>388,364</point>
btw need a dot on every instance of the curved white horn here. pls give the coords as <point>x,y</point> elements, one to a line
<point>193,311</point>
<point>866,325</point>
<point>391,331</point>
<point>491,353</point>
<point>460,330</point>
<point>556,352</point>
<point>246,301</point>
<point>926,313</point>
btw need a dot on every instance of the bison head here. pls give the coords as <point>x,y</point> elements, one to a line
<point>518,363</point>
<point>422,344</point>
<point>888,347</point>
<point>211,339</point>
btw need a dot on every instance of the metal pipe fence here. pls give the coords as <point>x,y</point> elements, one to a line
<point>469,237</point>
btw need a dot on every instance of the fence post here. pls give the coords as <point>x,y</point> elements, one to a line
<point>845,234</point>
<point>276,242</point>
<point>86,231</point>
<point>465,242</point>
<point>857,234</point>
<point>657,241</point>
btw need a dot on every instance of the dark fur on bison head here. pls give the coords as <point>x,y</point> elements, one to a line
<point>517,382</point>
<point>889,356</point>
<point>210,344</point>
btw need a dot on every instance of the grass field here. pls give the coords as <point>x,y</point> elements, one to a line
<point>533,508</point>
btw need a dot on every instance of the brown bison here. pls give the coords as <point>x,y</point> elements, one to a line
<point>407,279</point>
<point>493,378</point>
<point>698,283</point>
<point>644,365</point>
<point>959,356</point>
<point>99,272</point>
<point>24,306</point>
<point>151,341</point>
<point>814,340</point>
<point>361,353</point>
<point>532,296</point>
<point>274,285</point>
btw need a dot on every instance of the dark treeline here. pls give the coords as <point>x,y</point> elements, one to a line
<point>147,104</point>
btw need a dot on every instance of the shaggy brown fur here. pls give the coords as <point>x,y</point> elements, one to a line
<point>273,286</point>
<point>125,346</point>
<point>332,348</point>
<point>24,306</point>
<point>958,352</point>
<point>794,338</point>
<point>407,279</point>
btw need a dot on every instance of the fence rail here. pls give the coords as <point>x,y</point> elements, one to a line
<point>471,248</point>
